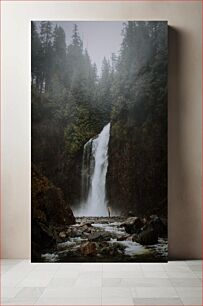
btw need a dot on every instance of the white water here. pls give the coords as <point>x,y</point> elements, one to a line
<point>94,169</point>
<point>131,248</point>
<point>111,227</point>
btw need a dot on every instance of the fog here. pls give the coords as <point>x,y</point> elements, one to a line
<point>100,38</point>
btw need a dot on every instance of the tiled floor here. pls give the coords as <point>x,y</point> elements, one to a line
<point>175,283</point>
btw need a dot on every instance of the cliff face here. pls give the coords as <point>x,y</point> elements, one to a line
<point>48,205</point>
<point>49,211</point>
<point>137,171</point>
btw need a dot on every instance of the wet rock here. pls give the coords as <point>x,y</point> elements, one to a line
<point>130,237</point>
<point>78,233</point>
<point>134,237</point>
<point>122,238</point>
<point>132,225</point>
<point>86,228</point>
<point>68,231</point>
<point>62,235</point>
<point>109,251</point>
<point>70,252</point>
<point>86,234</point>
<point>118,246</point>
<point>74,232</point>
<point>88,249</point>
<point>42,239</point>
<point>86,224</point>
<point>146,237</point>
<point>56,236</point>
<point>65,245</point>
<point>158,225</point>
<point>99,236</point>
<point>131,214</point>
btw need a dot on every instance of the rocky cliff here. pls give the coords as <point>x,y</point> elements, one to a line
<point>49,212</point>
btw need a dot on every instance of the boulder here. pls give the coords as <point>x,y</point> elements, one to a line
<point>100,236</point>
<point>42,239</point>
<point>131,214</point>
<point>65,245</point>
<point>86,228</point>
<point>146,237</point>
<point>88,249</point>
<point>62,235</point>
<point>134,237</point>
<point>132,225</point>
<point>122,238</point>
<point>68,231</point>
<point>130,237</point>
<point>86,224</point>
<point>111,249</point>
<point>157,224</point>
<point>74,232</point>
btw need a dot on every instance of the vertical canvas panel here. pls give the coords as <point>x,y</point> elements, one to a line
<point>99,141</point>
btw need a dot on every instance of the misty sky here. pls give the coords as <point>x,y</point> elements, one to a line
<point>101,38</point>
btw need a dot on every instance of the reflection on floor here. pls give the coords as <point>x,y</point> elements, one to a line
<point>173,283</point>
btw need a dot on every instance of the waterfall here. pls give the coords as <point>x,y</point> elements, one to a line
<point>93,176</point>
<point>87,167</point>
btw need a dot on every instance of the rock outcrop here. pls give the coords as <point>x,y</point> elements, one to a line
<point>88,249</point>
<point>132,225</point>
<point>146,237</point>
<point>49,211</point>
<point>158,225</point>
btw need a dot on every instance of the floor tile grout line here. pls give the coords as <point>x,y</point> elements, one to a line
<point>15,265</point>
<point>46,286</point>
<point>191,272</point>
<point>30,263</point>
<point>102,274</point>
<point>102,283</point>
<point>22,279</point>
<point>178,294</point>
<point>180,297</point>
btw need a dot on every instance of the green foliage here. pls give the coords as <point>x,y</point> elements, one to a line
<point>71,104</point>
<point>137,173</point>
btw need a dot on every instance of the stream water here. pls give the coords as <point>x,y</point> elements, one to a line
<point>105,238</point>
<point>116,241</point>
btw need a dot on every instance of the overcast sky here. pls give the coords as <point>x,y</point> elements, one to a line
<point>101,38</point>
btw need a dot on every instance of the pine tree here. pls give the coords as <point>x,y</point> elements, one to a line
<point>104,89</point>
<point>36,60</point>
<point>46,36</point>
<point>76,40</point>
<point>59,51</point>
<point>57,80</point>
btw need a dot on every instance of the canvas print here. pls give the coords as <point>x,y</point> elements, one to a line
<point>99,141</point>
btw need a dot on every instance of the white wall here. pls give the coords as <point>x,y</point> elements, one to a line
<point>184,190</point>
